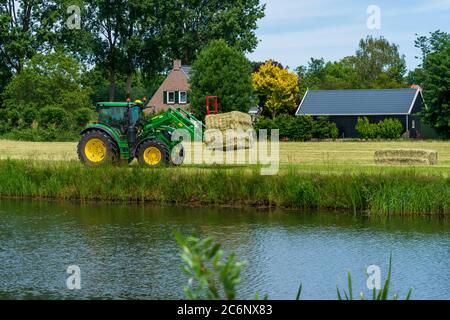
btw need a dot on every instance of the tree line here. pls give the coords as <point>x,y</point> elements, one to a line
<point>123,48</point>
<point>120,40</point>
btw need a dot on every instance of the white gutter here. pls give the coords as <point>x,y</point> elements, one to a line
<point>414,100</point>
<point>301,103</point>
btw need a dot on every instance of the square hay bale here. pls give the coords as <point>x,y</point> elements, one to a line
<point>230,120</point>
<point>238,121</point>
<point>406,157</point>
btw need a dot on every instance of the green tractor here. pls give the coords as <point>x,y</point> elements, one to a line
<point>123,133</point>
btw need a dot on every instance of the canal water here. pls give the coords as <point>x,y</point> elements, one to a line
<point>128,252</point>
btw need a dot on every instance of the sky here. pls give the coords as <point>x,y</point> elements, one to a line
<point>293,31</point>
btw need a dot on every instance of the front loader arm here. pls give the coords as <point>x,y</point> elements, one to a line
<point>178,119</point>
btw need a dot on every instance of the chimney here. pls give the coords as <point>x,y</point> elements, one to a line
<point>176,64</point>
<point>416,87</point>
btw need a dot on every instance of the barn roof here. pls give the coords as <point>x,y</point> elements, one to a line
<point>359,102</point>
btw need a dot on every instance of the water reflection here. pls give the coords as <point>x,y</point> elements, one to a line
<point>127,251</point>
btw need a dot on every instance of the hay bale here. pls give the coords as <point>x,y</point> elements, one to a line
<point>238,121</point>
<point>230,120</point>
<point>406,157</point>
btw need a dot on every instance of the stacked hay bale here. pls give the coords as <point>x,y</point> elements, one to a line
<point>406,157</point>
<point>239,122</point>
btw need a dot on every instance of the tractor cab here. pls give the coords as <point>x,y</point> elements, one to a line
<point>119,115</point>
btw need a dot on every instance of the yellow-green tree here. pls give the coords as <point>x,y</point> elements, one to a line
<point>277,88</point>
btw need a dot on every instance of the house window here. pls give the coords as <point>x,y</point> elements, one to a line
<point>170,97</point>
<point>182,97</point>
<point>413,126</point>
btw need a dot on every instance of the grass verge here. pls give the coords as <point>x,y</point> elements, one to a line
<point>392,193</point>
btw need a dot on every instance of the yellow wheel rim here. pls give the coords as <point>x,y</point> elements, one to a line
<point>95,150</point>
<point>152,156</point>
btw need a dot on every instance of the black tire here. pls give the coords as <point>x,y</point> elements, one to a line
<point>161,160</point>
<point>111,155</point>
<point>178,155</point>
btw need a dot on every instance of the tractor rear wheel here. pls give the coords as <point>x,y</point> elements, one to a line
<point>154,154</point>
<point>96,148</point>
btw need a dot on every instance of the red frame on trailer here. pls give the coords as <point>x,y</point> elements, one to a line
<point>216,105</point>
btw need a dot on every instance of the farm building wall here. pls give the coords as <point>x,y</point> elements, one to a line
<point>422,130</point>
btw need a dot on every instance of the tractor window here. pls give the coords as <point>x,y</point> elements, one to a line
<point>115,117</point>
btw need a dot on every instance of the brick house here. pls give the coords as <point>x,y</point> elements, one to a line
<point>173,92</point>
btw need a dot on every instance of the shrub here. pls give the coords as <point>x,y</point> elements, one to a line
<point>29,115</point>
<point>40,135</point>
<point>285,124</point>
<point>4,127</point>
<point>386,129</point>
<point>82,117</point>
<point>54,117</point>
<point>264,123</point>
<point>303,128</point>
<point>390,129</point>
<point>13,117</point>
<point>324,129</point>
<point>366,130</point>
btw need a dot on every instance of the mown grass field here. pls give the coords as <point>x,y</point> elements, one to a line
<point>339,156</point>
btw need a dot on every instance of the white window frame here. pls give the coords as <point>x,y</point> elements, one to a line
<point>168,95</point>
<point>179,97</point>
<point>413,124</point>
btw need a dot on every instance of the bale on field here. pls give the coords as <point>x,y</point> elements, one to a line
<point>239,122</point>
<point>406,157</point>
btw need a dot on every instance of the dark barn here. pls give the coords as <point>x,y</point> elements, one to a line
<point>344,107</point>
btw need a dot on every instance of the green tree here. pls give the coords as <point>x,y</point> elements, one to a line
<point>126,37</point>
<point>194,23</point>
<point>5,77</point>
<point>25,28</point>
<point>48,80</point>
<point>434,76</point>
<point>378,64</point>
<point>222,71</point>
<point>321,75</point>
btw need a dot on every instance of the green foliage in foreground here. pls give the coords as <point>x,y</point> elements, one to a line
<point>396,193</point>
<point>212,277</point>
<point>377,295</point>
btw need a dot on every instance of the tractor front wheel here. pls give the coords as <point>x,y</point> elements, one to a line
<point>96,148</point>
<point>154,154</point>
